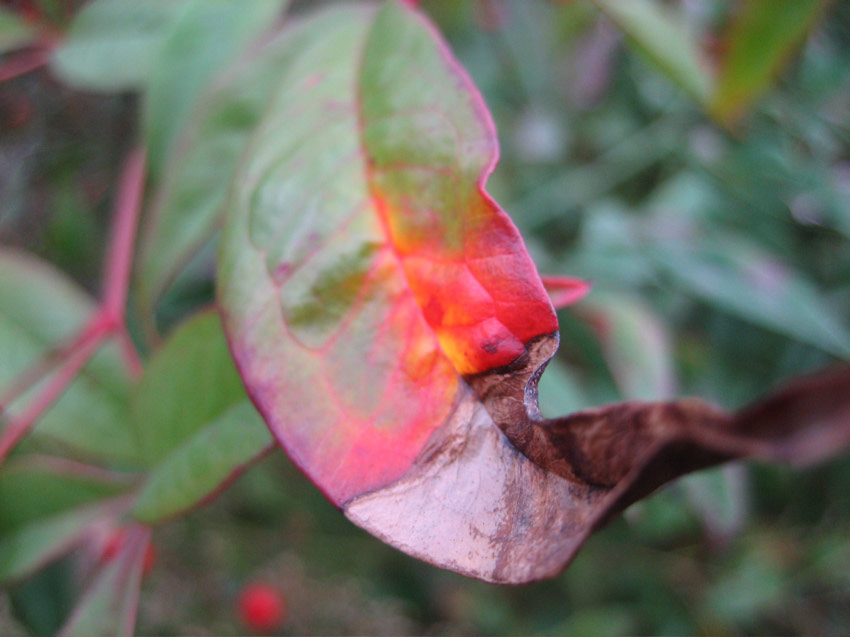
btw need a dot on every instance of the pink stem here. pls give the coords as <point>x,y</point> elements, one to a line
<point>21,426</point>
<point>44,364</point>
<point>23,62</point>
<point>120,258</point>
<point>565,290</point>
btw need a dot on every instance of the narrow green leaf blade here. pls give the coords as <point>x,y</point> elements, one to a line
<point>206,38</point>
<point>198,468</point>
<point>658,34</point>
<point>739,278</point>
<point>111,44</point>
<point>40,309</point>
<point>760,43</point>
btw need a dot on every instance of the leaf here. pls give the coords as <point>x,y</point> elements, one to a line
<point>205,39</point>
<point>111,44</point>
<point>33,545</point>
<point>303,300</point>
<point>390,326</point>
<point>188,384</point>
<point>197,430</point>
<point>14,32</point>
<point>664,40</point>
<point>108,607</point>
<point>60,484</point>
<point>759,43</point>
<point>188,206</point>
<point>737,277</point>
<point>40,309</point>
<point>196,470</point>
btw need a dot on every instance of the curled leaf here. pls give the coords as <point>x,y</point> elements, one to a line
<point>391,328</point>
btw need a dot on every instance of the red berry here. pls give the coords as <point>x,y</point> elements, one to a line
<point>261,607</point>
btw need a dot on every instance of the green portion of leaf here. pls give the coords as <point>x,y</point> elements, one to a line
<point>14,32</point>
<point>206,38</point>
<point>33,545</point>
<point>189,383</point>
<point>635,344</point>
<point>111,44</point>
<point>740,279</point>
<point>664,40</point>
<point>41,309</point>
<point>760,43</point>
<point>33,487</point>
<point>188,206</point>
<point>108,607</point>
<point>203,463</point>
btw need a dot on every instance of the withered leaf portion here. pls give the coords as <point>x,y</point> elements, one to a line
<point>391,328</point>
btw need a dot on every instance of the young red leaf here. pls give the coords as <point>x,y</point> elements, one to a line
<point>390,326</point>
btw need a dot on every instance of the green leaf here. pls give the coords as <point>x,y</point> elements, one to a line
<point>14,32</point>
<point>30,547</point>
<point>189,383</point>
<point>60,484</point>
<point>108,607</point>
<point>760,42</point>
<point>664,40</point>
<point>41,309</point>
<point>198,468</point>
<point>635,344</point>
<point>111,44</point>
<point>736,277</point>
<point>205,39</point>
<point>188,206</point>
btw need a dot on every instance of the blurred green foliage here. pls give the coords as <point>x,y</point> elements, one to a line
<point>720,256</point>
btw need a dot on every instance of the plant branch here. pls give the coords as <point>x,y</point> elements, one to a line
<point>21,426</point>
<point>120,257</point>
<point>107,320</point>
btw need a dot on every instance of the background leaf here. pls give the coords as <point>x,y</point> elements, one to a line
<point>40,309</point>
<point>195,470</point>
<point>759,43</point>
<point>111,44</point>
<point>635,343</point>
<point>206,38</point>
<point>188,207</point>
<point>108,606</point>
<point>14,32</point>
<point>60,484</point>
<point>31,546</point>
<point>664,40</point>
<point>190,382</point>
<point>740,279</point>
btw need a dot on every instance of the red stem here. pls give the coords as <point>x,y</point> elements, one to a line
<point>120,258</point>
<point>21,426</point>
<point>30,376</point>
<point>109,318</point>
<point>23,62</point>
